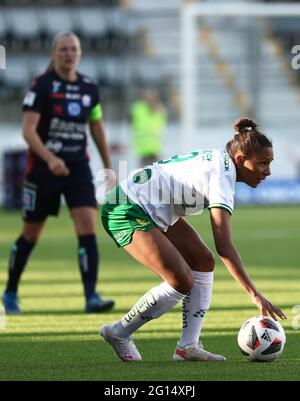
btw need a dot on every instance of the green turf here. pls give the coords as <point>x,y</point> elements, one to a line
<point>54,340</point>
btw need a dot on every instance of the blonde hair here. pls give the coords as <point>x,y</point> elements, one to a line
<point>59,35</point>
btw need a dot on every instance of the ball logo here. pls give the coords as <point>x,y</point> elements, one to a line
<point>2,58</point>
<point>74,109</point>
<point>266,336</point>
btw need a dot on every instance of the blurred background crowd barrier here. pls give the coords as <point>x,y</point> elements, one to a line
<point>243,67</point>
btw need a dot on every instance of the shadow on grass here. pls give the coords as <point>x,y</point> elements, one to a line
<point>94,360</point>
<point>33,333</point>
<point>167,333</point>
<point>121,311</point>
<point>137,293</point>
<point>76,280</point>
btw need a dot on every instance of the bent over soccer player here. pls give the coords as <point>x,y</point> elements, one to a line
<point>145,217</point>
<point>56,110</point>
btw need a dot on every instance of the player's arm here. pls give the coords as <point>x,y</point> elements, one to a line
<point>220,221</point>
<point>30,123</point>
<point>98,134</point>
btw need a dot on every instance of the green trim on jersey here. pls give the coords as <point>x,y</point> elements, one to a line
<point>220,206</point>
<point>96,113</point>
<point>121,217</point>
<point>179,158</point>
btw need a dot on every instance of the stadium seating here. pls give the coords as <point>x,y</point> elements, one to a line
<point>155,5</point>
<point>25,27</point>
<point>91,24</point>
<point>130,47</point>
<point>56,19</point>
<point>3,29</point>
<point>113,38</point>
<point>17,76</point>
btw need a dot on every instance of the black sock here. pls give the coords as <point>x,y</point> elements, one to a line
<point>88,258</point>
<point>19,255</point>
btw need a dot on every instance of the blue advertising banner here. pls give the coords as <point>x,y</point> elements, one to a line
<point>269,193</point>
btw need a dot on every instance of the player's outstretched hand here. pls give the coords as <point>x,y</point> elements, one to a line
<point>57,166</point>
<point>267,308</point>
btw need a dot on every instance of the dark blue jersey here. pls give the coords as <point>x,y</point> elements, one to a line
<point>65,108</point>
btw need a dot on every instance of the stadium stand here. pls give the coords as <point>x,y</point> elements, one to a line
<point>25,28</point>
<point>116,42</point>
<point>56,19</point>
<point>91,25</point>
<point>131,44</point>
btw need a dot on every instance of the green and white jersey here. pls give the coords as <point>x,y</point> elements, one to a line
<point>183,185</point>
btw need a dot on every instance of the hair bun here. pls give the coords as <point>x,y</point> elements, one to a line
<point>244,125</point>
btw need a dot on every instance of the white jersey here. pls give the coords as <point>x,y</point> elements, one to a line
<point>183,185</point>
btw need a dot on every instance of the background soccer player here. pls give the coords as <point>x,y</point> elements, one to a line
<point>144,215</point>
<point>56,110</point>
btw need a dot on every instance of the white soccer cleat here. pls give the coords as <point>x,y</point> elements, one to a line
<point>195,352</point>
<point>124,347</point>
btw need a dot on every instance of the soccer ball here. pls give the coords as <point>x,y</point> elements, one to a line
<point>261,339</point>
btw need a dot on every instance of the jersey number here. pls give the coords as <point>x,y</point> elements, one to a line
<point>179,158</point>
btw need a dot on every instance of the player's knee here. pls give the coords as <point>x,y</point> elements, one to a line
<point>209,262</point>
<point>85,227</point>
<point>200,261</point>
<point>85,230</point>
<point>183,283</point>
<point>31,237</point>
<point>189,283</point>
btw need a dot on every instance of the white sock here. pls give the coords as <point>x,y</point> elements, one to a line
<point>195,305</point>
<point>152,305</point>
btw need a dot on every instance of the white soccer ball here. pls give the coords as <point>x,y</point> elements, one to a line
<point>261,339</point>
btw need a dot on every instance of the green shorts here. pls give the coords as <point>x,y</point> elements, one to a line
<point>121,217</point>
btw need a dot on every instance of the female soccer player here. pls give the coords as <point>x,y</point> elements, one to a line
<point>56,110</point>
<point>144,215</point>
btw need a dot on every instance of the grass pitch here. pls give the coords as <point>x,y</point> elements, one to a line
<point>53,340</point>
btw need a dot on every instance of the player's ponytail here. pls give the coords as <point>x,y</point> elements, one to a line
<point>247,138</point>
<point>50,66</point>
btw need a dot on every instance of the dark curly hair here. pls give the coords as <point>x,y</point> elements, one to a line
<point>247,139</point>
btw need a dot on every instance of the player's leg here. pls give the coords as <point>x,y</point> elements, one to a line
<point>79,192</point>
<point>84,219</point>
<point>88,257</point>
<point>19,255</point>
<point>40,199</point>
<point>197,302</point>
<point>191,246</point>
<point>153,250</point>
